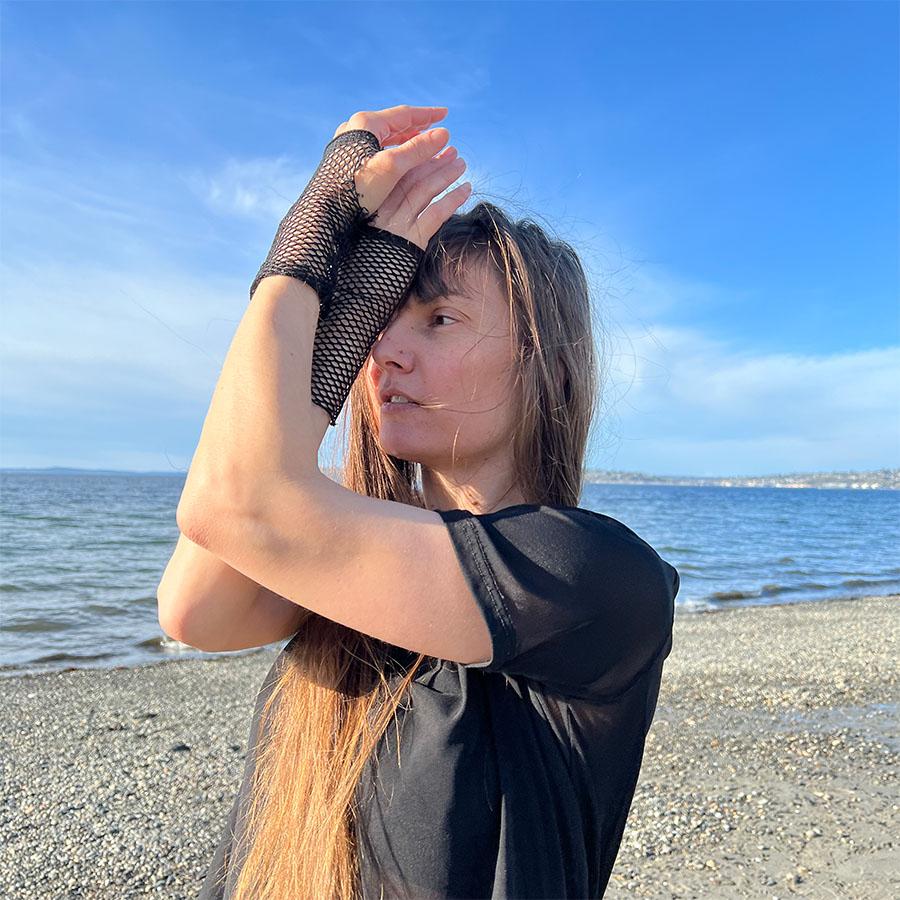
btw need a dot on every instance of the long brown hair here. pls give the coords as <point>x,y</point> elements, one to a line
<point>333,698</point>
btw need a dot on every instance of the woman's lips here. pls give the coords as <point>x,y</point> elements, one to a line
<point>397,406</point>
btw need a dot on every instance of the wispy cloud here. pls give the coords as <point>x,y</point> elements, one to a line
<point>674,393</point>
<point>262,189</point>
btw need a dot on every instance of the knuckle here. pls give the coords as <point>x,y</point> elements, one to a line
<point>393,165</point>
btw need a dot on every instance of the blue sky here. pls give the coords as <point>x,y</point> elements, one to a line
<point>727,171</point>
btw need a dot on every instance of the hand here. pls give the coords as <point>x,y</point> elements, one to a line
<point>400,182</point>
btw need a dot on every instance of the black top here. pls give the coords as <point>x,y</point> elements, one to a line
<point>516,776</point>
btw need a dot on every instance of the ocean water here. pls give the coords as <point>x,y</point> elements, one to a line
<point>82,556</point>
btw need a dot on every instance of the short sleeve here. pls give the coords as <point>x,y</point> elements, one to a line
<point>572,598</point>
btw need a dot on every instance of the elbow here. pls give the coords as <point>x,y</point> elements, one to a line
<point>171,618</point>
<point>196,524</point>
<point>168,608</point>
<point>169,591</point>
<point>186,519</point>
<point>166,628</point>
<point>210,522</point>
<point>202,502</point>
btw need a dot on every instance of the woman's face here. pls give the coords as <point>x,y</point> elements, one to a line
<point>453,351</point>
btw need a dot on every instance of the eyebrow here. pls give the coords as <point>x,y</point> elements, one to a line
<point>443,298</point>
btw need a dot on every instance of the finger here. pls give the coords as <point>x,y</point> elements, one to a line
<point>436,162</point>
<point>416,114</point>
<point>426,188</point>
<point>416,150</point>
<point>379,175</point>
<point>401,192</point>
<point>396,124</point>
<point>420,118</point>
<point>441,210</point>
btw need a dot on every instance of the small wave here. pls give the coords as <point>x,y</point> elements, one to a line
<point>733,595</point>
<point>36,626</point>
<point>73,657</point>
<point>770,589</point>
<point>865,582</point>
<point>670,549</point>
<point>694,606</point>
<point>59,520</point>
<point>159,642</point>
<point>105,609</point>
<point>706,605</point>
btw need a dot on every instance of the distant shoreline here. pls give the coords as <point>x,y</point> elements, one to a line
<point>877,479</point>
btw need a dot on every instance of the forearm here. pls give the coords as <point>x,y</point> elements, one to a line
<point>195,584</point>
<point>261,427</point>
<point>207,604</point>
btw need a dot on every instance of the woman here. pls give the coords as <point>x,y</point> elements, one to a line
<point>452,574</point>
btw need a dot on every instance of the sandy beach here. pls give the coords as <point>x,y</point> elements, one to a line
<point>770,771</point>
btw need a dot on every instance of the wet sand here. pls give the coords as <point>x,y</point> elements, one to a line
<point>770,771</point>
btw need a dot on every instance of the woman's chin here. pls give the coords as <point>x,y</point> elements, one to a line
<point>399,441</point>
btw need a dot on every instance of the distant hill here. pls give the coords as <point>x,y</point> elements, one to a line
<point>868,480</point>
<point>876,479</point>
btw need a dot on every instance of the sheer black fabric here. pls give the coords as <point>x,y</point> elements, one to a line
<point>316,231</point>
<point>373,279</point>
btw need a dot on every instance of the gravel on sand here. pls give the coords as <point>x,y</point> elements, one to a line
<point>770,770</point>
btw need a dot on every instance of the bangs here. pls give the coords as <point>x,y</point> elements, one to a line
<point>448,266</point>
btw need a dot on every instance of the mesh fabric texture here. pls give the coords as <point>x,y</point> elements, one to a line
<point>317,230</point>
<point>373,280</point>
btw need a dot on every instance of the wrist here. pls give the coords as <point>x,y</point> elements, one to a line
<point>300,292</point>
<point>319,227</point>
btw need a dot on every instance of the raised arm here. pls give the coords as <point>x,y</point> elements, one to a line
<point>205,603</point>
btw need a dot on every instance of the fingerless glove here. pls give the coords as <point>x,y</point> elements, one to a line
<point>318,229</point>
<point>372,281</point>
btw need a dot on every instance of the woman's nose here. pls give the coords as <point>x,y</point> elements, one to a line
<point>392,345</point>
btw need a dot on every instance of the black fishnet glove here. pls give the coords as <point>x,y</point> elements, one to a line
<point>317,230</point>
<point>373,280</point>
